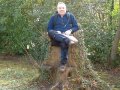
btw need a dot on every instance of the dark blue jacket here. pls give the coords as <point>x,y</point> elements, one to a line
<point>63,24</point>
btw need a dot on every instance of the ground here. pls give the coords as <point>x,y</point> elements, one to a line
<point>17,73</point>
<point>111,76</point>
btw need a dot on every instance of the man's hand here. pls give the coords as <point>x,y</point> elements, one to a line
<point>68,32</point>
<point>59,32</point>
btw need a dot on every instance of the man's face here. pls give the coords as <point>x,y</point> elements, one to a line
<point>61,8</point>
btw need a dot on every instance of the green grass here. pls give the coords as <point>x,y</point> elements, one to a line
<point>16,73</point>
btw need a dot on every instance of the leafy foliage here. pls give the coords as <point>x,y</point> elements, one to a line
<point>21,26</point>
<point>23,23</point>
<point>14,26</point>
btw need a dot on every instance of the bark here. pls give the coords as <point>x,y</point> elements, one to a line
<point>116,40</point>
<point>110,17</point>
<point>115,45</point>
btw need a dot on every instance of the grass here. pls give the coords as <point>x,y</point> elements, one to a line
<point>16,73</point>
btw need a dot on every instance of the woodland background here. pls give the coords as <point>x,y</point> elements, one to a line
<point>24,23</point>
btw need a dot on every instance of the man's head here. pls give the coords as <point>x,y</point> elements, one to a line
<point>61,8</point>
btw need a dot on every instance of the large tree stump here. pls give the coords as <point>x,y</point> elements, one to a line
<point>52,65</point>
<point>58,78</point>
<point>78,75</point>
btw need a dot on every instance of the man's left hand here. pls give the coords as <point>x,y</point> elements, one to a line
<point>68,32</point>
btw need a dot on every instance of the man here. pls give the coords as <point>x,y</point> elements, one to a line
<point>60,27</point>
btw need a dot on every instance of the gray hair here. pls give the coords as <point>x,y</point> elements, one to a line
<point>59,3</point>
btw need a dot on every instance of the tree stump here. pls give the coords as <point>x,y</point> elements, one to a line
<point>78,74</point>
<point>58,78</point>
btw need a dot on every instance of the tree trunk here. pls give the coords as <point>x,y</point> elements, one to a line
<point>115,45</point>
<point>110,17</point>
<point>116,41</point>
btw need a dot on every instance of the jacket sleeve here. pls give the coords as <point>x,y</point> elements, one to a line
<point>74,24</point>
<point>50,24</point>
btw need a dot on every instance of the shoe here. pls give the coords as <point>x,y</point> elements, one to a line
<point>62,68</point>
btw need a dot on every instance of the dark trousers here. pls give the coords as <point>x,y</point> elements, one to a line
<point>61,41</point>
